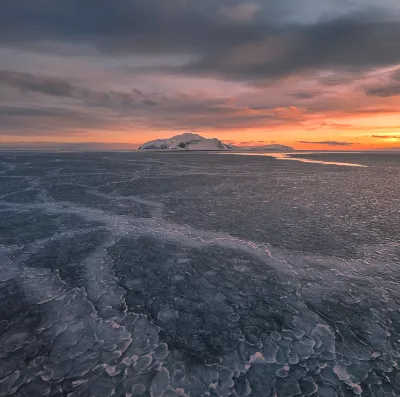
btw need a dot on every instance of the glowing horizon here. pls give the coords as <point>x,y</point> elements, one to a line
<point>318,77</point>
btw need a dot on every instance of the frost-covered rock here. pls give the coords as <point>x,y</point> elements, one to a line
<point>186,141</point>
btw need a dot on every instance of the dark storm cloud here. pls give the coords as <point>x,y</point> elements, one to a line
<point>70,146</point>
<point>29,82</point>
<point>250,50</point>
<point>347,44</point>
<point>341,77</point>
<point>24,111</point>
<point>396,75</point>
<point>132,108</point>
<point>254,142</point>
<point>54,86</point>
<point>34,120</point>
<point>386,136</point>
<point>304,95</point>
<point>389,88</point>
<point>329,143</point>
<point>125,26</point>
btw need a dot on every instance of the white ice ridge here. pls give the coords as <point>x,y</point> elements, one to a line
<point>288,156</point>
<point>122,225</point>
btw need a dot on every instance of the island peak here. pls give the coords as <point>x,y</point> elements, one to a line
<point>186,141</point>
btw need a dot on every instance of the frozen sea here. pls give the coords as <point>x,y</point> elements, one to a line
<point>199,274</point>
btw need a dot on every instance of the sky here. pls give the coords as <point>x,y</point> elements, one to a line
<point>312,74</point>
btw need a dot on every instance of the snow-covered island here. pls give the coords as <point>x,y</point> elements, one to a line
<point>187,141</point>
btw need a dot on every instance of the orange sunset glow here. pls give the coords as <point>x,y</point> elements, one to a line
<point>248,73</point>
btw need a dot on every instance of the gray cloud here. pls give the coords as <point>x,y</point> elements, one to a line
<point>391,87</point>
<point>99,109</point>
<point>175,114</point>
<point>135,106</point>
<point>250,50</point>
<point>330,143</point>
<point>125,27</point>
<point>58,87</point>
<point>76,106</point>
<point>30,111</point>
<point>73,146</point>
<point>304,95</point>
<point>43,120</point>
<point>395,75</point>
<point>251,142</point>
<point>29,82</point>
<point>339,78</point>
<point>383,91</point>
<point>347,44</point>
<point>386,136</point>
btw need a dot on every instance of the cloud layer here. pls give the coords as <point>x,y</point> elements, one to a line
<point>329,143</point>
<point>223,65</point>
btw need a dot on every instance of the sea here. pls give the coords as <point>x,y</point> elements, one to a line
<point>193,274</point>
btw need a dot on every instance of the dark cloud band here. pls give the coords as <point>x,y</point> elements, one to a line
<point>329,143</point>
<point>251,50</point>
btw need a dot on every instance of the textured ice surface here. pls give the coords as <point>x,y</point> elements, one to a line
<point>153,275</point>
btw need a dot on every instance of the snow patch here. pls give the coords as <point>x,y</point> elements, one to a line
<point>186,141</point>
